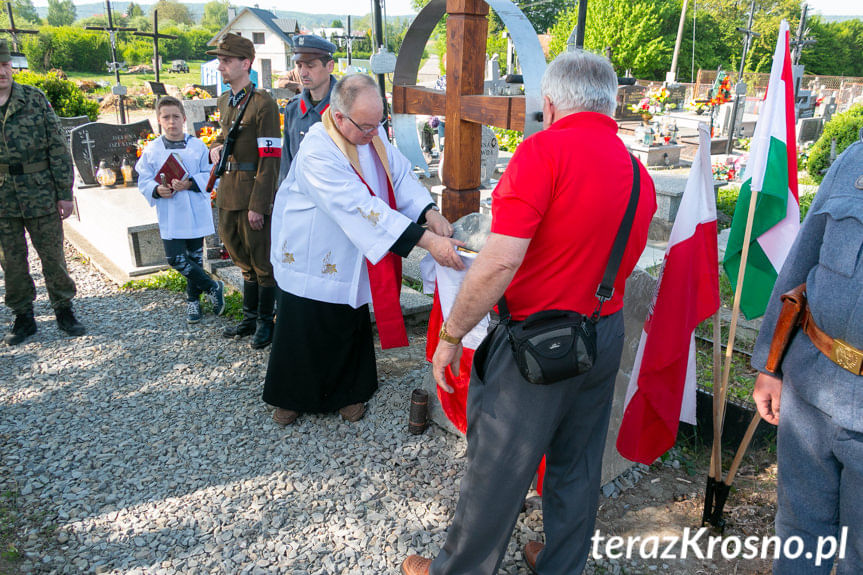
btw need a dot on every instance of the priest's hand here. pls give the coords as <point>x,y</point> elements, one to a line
<point>446,354</point>
<point>178,185</point>
<point>164,191</point>
<point>442,249</point>
<point>438,224</point>
<point>767,394</point>
<point>256,220</point>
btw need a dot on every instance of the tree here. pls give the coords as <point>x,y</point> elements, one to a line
<point>215,14</point>
<point>61,13</point>
<point>637,32</point>
<point>25,11</point>
<point>837,48</point>
<point>174,11</point>
<point>134,10</point>
<point>336,24</point>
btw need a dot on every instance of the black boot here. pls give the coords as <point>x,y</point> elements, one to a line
<point>250,313</point>
<point>264,335</point>
<point>66,322</point>
<point>23,327</point>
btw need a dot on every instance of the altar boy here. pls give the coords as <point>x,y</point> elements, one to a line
<point>183,207</point>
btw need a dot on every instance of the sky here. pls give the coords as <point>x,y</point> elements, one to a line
<point>402,7</point>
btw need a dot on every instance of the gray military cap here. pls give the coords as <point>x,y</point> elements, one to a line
<point>309,47</point>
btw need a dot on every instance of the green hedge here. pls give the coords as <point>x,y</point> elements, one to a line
<point>68,48</point>
<point>64,95</point>
<point>845,128</point>
<point>726,202</point>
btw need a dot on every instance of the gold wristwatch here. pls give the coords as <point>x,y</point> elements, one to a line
<point>447,337</point>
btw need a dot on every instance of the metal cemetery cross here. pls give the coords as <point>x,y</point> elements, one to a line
<point>114,65</point>
<point>463,104</point>
<point>12,30</point>
<point>156,36</point>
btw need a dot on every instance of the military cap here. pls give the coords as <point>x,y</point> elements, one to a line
<point>309,47</point>
<point>234,46</point>
<point>5,55</point>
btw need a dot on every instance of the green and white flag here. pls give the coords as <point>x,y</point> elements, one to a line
<point>772,172</point>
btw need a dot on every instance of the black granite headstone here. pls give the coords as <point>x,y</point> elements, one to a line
<point>628,96</point>
<point>158,89</point>
<point>95,142</point>
<point>68,124</point>
<point>676,97</point>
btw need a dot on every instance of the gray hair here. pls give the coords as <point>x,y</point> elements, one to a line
<point>581,81</point>
<point>346,91</point>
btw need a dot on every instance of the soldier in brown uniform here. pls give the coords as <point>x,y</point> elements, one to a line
<point>248,187</point>
<point>35,195</point>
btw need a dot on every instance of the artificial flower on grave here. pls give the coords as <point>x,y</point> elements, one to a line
<point>654,103</point>
<point>215,116</point>
<point>208,135</point>
<point>213,195</point>
<point>721,90</point>
<point>142,143</point>
<point>191,92</point>
<point>720,172</point>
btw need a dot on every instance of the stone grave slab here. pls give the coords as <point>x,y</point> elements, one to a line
<point>676,96</point>
<point>198,111</point>
<point>663,155</point>
<point>158,89</point>
<point>69,124</point>
<point>809,129</point>
<point>118,230</point>
<point>95,142</point>
<point>628,96</point>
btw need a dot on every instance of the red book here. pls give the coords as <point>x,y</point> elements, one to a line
<point>172,170</point>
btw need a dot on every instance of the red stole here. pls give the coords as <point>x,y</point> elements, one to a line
<point>385,278</point>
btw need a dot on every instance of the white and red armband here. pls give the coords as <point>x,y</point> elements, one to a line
<point>269,147</point>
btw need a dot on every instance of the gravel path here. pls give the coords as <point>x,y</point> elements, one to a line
<point>144,447</point>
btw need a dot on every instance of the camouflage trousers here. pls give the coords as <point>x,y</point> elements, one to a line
<point>46,234</point>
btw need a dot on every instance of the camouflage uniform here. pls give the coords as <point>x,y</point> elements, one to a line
<point>31,141</point>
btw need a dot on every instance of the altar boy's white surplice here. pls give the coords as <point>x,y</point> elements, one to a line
<point>188,214</point>
<point>325,222</point>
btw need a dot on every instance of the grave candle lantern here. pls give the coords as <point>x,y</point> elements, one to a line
<point>105,175</point>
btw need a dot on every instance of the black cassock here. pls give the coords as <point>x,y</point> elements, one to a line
<point>322,357</point>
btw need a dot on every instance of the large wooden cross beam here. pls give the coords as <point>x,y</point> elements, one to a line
<point>13,31</point>
<point>464,105</point>
<point>156,36</point>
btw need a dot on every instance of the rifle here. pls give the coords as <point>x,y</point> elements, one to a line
<point>230,139</point>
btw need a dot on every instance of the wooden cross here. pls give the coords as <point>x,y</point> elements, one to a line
<point>463,104</point>
<point>114,65</point>
<point>748,34</point>
<point>349,38</point>
<point>156,36</point>
<point>12,30</point>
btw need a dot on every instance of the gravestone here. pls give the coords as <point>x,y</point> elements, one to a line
<point>95,142</point>
<point>158,89</point>
<point>809,129</point>
<point>489,152</point>
<point>198,126</point>
<point>68,124</point>
<point>826,109</point>
<point>676,96</point>
<point>628,96</point>
<point>208,88</point>
<point>198,111</point>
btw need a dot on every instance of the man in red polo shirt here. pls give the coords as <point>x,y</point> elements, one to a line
<point>555,215</point>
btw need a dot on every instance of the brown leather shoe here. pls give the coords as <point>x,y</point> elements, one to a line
<point>416,565</point>
<point>531,552</point>
<point>353,412</point>
<point>284,417</point>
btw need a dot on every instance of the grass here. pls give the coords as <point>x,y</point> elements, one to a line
<point>133,81</point>
<point>9,519</point>
<point>171,280</point>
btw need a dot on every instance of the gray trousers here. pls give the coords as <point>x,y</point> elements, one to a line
<point>511,424</point>
<point>819,484</point>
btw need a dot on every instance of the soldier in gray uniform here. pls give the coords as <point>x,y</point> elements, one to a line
<point>820,437</point>
<point>313,57</point>
<point>35,196</point>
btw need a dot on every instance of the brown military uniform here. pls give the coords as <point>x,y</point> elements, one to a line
<point>249,184</point>
<point>35,173</point>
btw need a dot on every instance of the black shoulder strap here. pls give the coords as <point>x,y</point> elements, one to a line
<point>606,288</point>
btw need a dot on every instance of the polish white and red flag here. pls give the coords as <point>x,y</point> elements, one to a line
<point>661,390</point>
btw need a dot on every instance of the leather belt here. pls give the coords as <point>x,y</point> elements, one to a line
<point>241,167</point>
<point>20,169</point>
<point>839,352</point>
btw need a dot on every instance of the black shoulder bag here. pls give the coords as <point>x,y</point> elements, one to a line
<point>553,345</point>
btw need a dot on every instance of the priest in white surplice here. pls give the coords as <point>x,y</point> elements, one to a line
<point>348,210</point>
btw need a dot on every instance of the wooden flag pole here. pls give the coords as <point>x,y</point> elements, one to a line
<point>741,451</point>
<point>716,455</point>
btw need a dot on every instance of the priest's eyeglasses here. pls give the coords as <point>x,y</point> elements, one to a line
<point>365,130</point>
